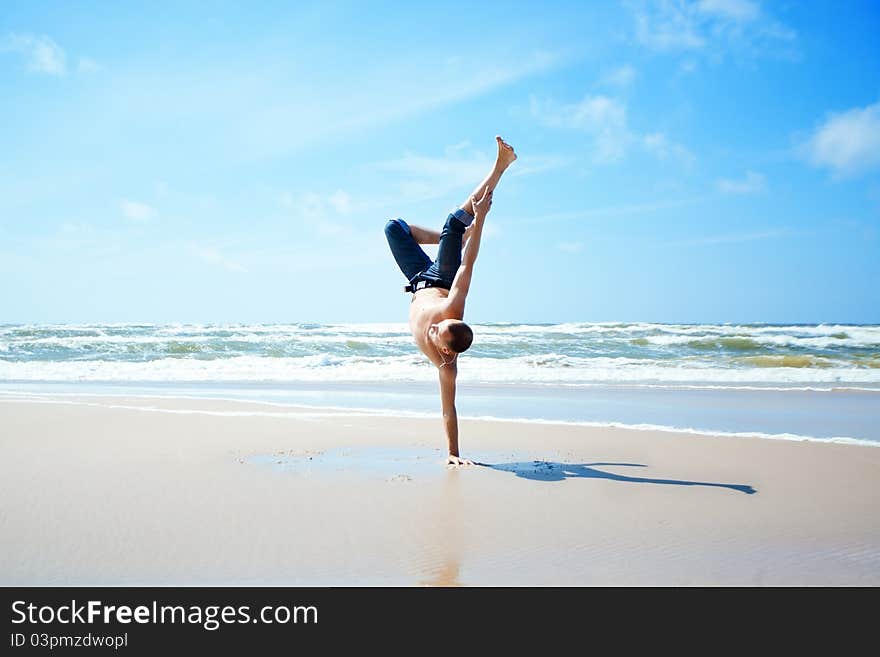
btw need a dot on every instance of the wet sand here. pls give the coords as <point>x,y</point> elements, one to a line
<point>178,491</point>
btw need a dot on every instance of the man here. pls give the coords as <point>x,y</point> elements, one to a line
<point>439,288</point>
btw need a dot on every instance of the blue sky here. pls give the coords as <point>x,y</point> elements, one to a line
<point>706,161</point>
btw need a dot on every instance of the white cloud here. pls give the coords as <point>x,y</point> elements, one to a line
<point>527,165</point>
<point>42,54</point>
<point>662,147</point>
<point>72,236</point>
<point>213,256</point>
<point>314,206</point>
<point>424,177</point>
<point>593,113</point>
<point>667,27</point>
<point>340,201</point>
<point>491,230</point>
<point>136,211</point>
<point>600,116</point>
<point>847,142</point>
<point>330,229</point>
<point>636,209</point>
<point>738,10</point>
<point>87,65</point>
<point>605,119</point>
<point>623,76</point>
<point>708,26</point>
<point>570,247</point>
<point>734,238</point>
<point>415,177</point>
<point>322,212</point>
<point>365,97</point>
<point>753,183</point>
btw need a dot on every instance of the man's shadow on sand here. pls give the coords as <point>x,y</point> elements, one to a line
<point>551,471</point>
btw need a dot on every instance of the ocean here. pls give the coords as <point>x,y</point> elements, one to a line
<point>803,381</point>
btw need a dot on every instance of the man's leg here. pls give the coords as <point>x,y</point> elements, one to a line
<point>504,159</point>
<point>448,259</point>
<point>407,253</point>
<point>424,235</point>
<point>449,254</point>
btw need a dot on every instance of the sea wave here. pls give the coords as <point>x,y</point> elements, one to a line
<point>564,353</point>
<point>547,368</point>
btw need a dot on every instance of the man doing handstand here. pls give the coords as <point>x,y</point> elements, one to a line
<point>439,288</point>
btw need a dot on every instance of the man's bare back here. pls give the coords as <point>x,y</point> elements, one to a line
<point>440,288</point>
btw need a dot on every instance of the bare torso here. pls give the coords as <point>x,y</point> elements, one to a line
<point>428,307</point>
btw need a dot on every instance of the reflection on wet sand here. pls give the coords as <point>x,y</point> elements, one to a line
<point>445,527</point>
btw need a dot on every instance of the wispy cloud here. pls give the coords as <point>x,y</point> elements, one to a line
<point>136,211</point>
<point>733,238</point>
<point>664,148</point>
<point>846,142</point>
<point>622,76</point>
<point>213,256</point>
<point>738,10</point>
<point>87,65</point>
<point>593,113</point>
<point>72,236</point>
<point>527,165</point>
<point>602,117</point>
<point>492,230</point>
<point>752,183</point>
<point>42,54</point>
<point>632,209</point>
<point>570,247</point>
<point>318,205</point>
<point>374,97</point>
<point>693,26</point>
<point>340,201</point>
<point>605,119</point>
<point>666,26</point>
<point>325,213</point>
<point>424,177</point>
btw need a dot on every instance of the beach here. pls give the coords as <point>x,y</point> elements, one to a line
<point>149,490</point>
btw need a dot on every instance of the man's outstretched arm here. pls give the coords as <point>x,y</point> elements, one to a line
<point>448,375</point>
<point>461,284</point>
<point>477,205</point>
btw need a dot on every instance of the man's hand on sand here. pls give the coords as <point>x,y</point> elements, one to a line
<point>457,460</point>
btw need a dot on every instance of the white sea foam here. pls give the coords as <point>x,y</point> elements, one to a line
<point>545,368</point>
<point>831,355</point>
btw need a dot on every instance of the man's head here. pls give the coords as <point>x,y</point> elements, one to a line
<point>451,336</point>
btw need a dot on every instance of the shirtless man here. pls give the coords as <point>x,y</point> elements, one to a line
<point>440,287</point>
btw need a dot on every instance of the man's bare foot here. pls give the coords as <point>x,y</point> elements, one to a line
<point>455,460</point>
<point>506,156</point>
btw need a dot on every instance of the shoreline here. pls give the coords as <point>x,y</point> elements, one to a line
<point>100,495</point>
<point>299,408</point>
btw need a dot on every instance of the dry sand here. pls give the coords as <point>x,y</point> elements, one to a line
<point>145,491</point>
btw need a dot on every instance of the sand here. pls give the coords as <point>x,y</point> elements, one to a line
<point>150,491</point>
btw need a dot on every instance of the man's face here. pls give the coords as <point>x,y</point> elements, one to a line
<point>439,335</point>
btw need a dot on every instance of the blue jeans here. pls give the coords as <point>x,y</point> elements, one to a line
<point>415,264</point>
